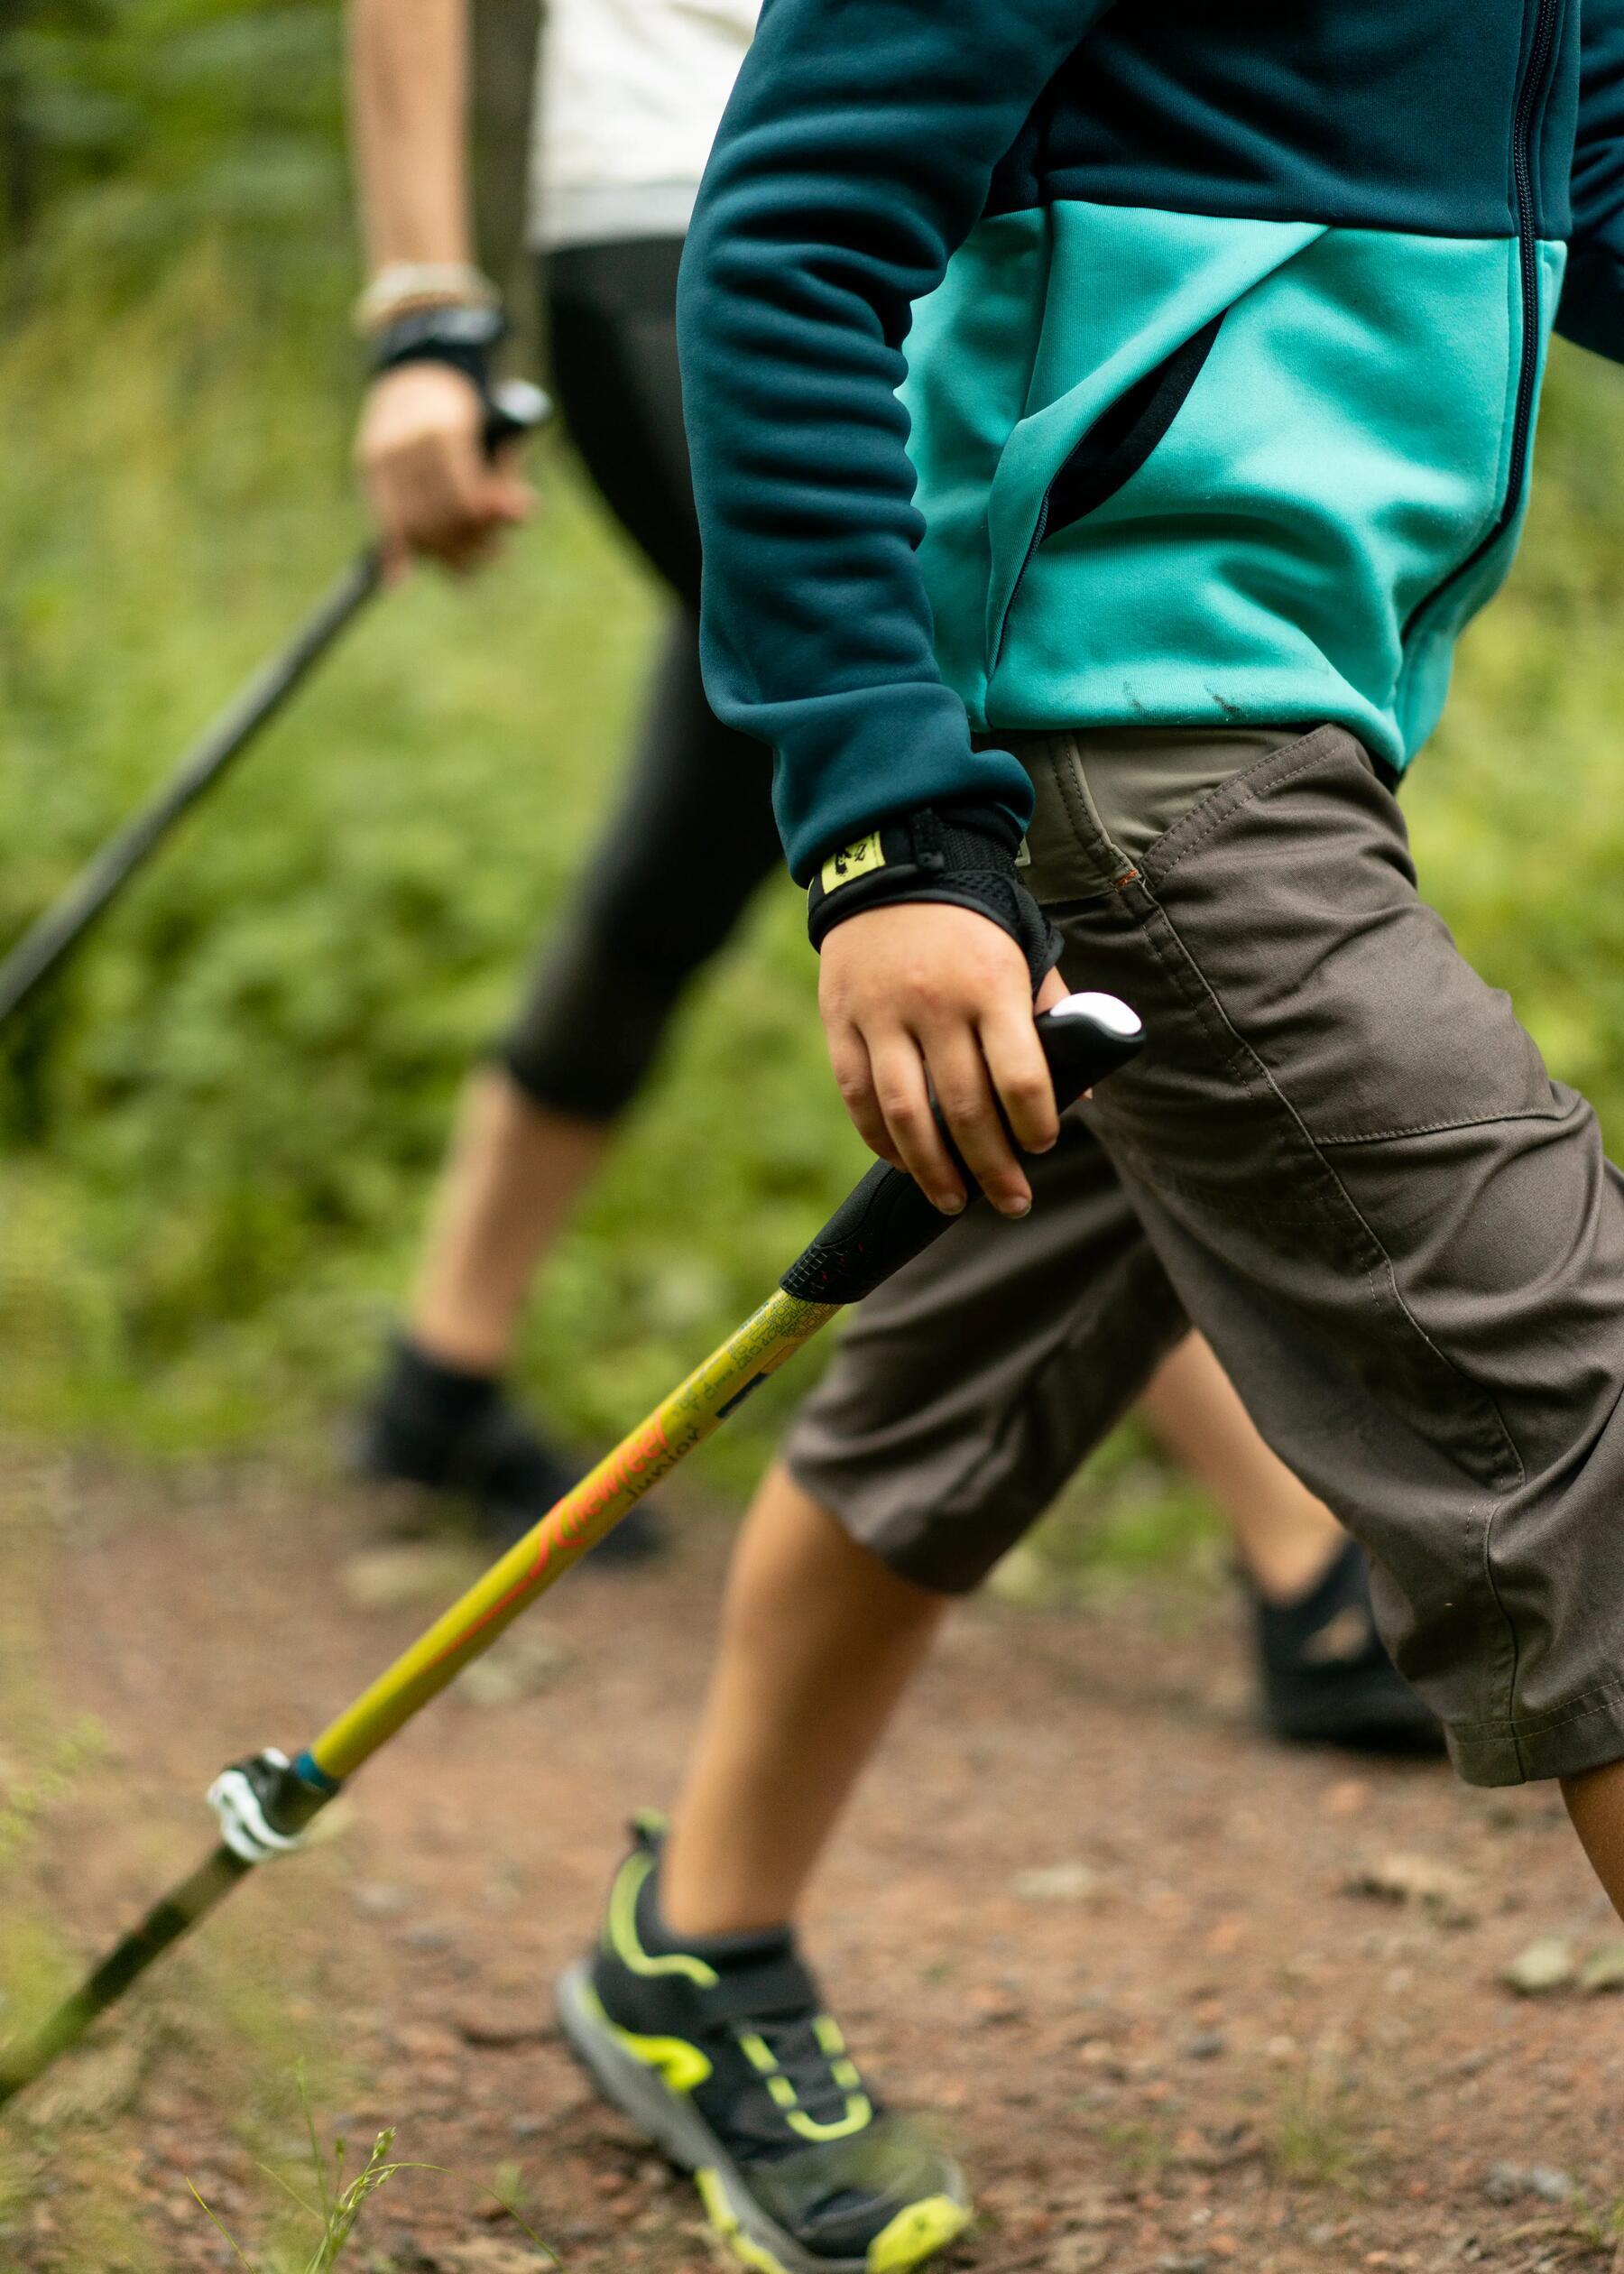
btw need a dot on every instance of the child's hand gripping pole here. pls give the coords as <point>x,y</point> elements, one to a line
<point>265,1804</point>
<point>885,1220</point>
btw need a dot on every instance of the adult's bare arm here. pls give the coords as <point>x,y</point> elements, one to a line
<point>418,448</point>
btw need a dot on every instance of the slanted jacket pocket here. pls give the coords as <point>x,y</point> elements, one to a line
<point>1123,437</point>
<point>1107,456</point>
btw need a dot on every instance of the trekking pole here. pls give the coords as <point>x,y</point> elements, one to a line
<point>267,1803</point>
<point>516,408</point>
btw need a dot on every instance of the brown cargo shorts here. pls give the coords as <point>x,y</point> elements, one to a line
<point>1341,1156</point>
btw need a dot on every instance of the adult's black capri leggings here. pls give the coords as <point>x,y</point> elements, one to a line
<point>698,798</point>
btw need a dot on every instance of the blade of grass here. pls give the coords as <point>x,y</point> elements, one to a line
<point>288,2189</point>
<point>317,2158</point>
<point>236,2248</point>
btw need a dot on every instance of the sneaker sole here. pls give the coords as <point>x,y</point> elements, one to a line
<point>681,2134</point>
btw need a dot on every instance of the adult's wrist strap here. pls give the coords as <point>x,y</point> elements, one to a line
<point>464,337</point>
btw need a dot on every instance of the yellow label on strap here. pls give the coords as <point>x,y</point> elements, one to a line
<point>853,861</point>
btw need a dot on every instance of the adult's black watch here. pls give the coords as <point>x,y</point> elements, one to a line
<point>465,337</point>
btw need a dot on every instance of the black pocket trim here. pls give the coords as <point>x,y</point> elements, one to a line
<point>1123,436</point>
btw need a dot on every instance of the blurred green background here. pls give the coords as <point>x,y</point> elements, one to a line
<point>218,1138</point>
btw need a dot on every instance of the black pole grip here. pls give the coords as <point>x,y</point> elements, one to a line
<point>885,1220</point>
<point>516,408</point>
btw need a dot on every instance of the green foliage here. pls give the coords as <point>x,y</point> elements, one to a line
<point>221,1133</point>
<point>131,126</point>
<point>340,2201</point>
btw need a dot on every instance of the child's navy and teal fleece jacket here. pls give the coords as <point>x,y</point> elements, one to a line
<point>1228,319</point>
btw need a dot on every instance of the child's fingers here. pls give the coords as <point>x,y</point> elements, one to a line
<point>904,1100</point>
<point>854,1077</point>
<point>1020,1074</point>
<point>961,1077</point>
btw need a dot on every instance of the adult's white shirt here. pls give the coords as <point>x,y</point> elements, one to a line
<point>629,97</point>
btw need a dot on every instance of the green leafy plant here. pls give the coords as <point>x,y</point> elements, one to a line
<point>340,2201</point>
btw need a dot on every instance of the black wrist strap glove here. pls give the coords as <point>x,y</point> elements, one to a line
<point>465,337</point>
<point>962,854</point>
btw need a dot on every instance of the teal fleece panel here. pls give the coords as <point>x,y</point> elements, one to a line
<point>1430,644</point>
<point>978,339</point>
<point>1344,449</point>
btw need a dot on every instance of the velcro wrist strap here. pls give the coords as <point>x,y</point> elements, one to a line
<point>964,857</point>
<point>464,337</point>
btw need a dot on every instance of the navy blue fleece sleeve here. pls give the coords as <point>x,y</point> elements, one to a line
<point>1591,308</point>
<point>854,157</point>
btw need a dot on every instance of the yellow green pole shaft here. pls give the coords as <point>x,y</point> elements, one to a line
<point>578,1521</point>
<point>596,1505</point>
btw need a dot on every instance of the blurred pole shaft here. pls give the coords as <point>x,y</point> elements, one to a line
<point>513,410</point>
<point>65,923</point>
<point>19,150</point>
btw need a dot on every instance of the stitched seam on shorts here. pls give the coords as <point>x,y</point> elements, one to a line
<point>1587,1706</point>
<point>1062,755</point>
<point>1441,1128</point>
<point>1071,779</point>
<point>1245,788</point>
<point>1486,1553</point>
<point>1606,1693</point>
<point>1320,745</point>
<point>1264,1074</point>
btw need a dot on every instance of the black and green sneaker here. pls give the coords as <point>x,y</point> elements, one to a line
<point>719,2050</point>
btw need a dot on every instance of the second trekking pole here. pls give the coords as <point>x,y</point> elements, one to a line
<point>515,409</point>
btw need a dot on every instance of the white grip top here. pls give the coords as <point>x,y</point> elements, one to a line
<point>1106,1010</point>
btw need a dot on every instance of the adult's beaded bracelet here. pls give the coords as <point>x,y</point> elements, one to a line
<point>403,288</point>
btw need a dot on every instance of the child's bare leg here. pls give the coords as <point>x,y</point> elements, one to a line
<point>1595,1801</point>
<point>818,1642</point>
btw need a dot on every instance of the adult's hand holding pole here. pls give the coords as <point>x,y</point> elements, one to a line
<point>439,484</point>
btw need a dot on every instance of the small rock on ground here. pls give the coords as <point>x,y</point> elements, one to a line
<point>1510,2182</point>
<point>1057,1883</point>
<point>1449,1894</point>
<point>522,1663</point>
<point>1544,1965</point>
<point>1603,1970</point>
<point>405,1578</point>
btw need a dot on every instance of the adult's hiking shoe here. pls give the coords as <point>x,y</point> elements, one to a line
<point>1327,1678</point>
<point>719,2050</point>
<point>458,1436</point>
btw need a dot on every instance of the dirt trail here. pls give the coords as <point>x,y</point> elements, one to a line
<point>1118,1943</point>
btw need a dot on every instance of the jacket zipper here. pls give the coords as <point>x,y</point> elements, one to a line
<point>1528,101</point>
